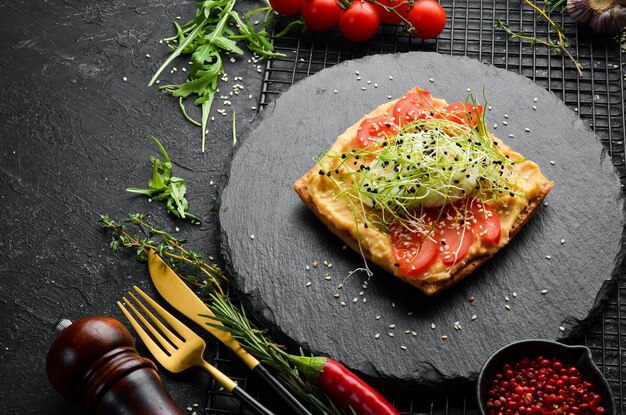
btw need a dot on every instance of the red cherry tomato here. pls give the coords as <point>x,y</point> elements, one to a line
<point>412,107</point>
<point>462,113</point>
<point>359,22</point>
<point>454,236</point>
<point>374,129</point>
<point>485,222</point>
<point>389,17</point>
<point>428,18</point>
<point>321,15</point>
<point>286,7</point>
<point>414,249</point>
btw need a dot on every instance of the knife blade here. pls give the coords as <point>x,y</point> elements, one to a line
<point>182,298</point>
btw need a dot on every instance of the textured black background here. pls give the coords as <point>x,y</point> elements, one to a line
<point>68,122</point>
<point>73,136</point>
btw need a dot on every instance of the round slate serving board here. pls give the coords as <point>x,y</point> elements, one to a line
<point>572,247</point>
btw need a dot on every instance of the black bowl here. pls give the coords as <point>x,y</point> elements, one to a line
<point>579,356</point>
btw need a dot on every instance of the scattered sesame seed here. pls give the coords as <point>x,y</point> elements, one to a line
<point>413,333</point>
<point>363,88</point>
<point>527,129</point>
<point>390,334</point>
<point>472,298</point>
<point>308,284</point>
<point>495,125</point>
<point>431,79</point>
<point>505,123</point>
<point>177,229</point>
<point>147,55</point>
<point>377,336</point>
<point>375,85</point>
<point>407,331</point>
<point>432,326</point>
<point>552,162</point>
<point>357,73</point>
<point>365,299</point>
<point>251,236</point>
<point>508,307</point>
<point>548,257</point>
<point>327,277</point>
<point>307,267</point>
<point>469,89</point>
<point>562,241</point>
<point>535,99</point>
<point>511,136</point>
<point>506,116</point>
<point>337,295</point>
<point>561,328</point>
<point>515,295</point>
<point>358,78</point>
<point>392,326</point>
<point>343,303</point>
<point>403,347</point>
<point>335,91</point>
<point>506,298</point>
<point>355,299</point>
<point>534,108</point>
<point>390,78</point>
<point>369,82</point>
<point>444,337</point>
<point>544,292</point>
<point>330,265</point>
<point>378,317</point>
<point>340,286</point>
<point>315,263</point>
<point>393,305</point>
<point>388,96</point>
<point>489,108</point>
<point>124,79</point>
<point>474,317</point>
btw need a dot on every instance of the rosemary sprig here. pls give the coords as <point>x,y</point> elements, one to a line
<point>209,282</point>
<point>561,43</point>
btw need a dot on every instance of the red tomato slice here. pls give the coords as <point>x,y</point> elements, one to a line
<point>461,113</point>
<point>412,107</point>
<point>485,222</point>
<point>454,236</point>
<point>414,250</point>
<point>374,129</point>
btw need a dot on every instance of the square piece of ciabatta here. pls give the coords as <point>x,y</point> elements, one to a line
<point>422,189</point>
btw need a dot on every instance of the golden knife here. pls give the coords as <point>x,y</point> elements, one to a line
<point>182,298</point>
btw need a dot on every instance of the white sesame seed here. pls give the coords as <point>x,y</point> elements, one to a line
<point>469,89</point>
<point>355,299</point>
<point>388,96</point>
<point>535,99</point>
<point>358,78</point>
<point>548,257</point>
<point>407,331</point>
<point>511,136</point>
<point>327,277</point>
<point>506,116</point>
<point>378,317</point>
<point>357,73</point>
<point>392,326</point>
<point>343,303</point>
<point>147,55</point>
<point>124,79</point>
<point>534,108</point>
<point>363,88</point>
<point>489,108</point>
<point>562,241</point>
<point>495,126</point>
<point>561,328</point>
<point>390,78</point>
<point>330,265</point>
<point>552,162</point>
<point>307,267</point>
<point>335,91</point>
<point>527,129</point>
<point>369,82</point>
<point>545,203</point>
<point>432,326</point>
<point>444,337</point>
<point>377,336</point>
<point>251,236</point>
<point>474,317</point>
<point>403,347</point>
<point>375,85</point>
<point>337,295</point>
<point>413,333</point>
<point>431,79</point>
<point>393,305</point>
<point>365,299</point>
<point>544,292</point>
<point>508,307</point>
<point>308,284</point>
<point>326,263</point>
<point>505,123</point>
<point>390,334</point>
<point>515,295</point>
<point>506,298</point>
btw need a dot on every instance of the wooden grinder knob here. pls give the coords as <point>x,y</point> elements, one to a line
<point>94,361</point>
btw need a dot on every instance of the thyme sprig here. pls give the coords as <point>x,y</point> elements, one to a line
<point>210,283</point>
<point>562,43</point>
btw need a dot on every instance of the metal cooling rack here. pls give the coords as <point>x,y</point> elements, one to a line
<point>598,97</point>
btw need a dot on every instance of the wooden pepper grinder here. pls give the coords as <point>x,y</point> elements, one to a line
<point>94,361</point>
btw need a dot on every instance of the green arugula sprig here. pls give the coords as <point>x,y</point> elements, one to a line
<point>206,38</point>
<point>209,282</point>
<point>164,186</point>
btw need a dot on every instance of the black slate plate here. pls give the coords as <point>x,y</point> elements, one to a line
<point>585,210</point>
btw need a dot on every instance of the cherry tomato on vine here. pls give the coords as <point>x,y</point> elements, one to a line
<point>286,7</point>
<point>321,15</point>
<point>428,18</point>
<point>389,17</point>
<point>359,22</point>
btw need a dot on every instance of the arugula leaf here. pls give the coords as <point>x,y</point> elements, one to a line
<point>206,38</point>
<point>164,186</point>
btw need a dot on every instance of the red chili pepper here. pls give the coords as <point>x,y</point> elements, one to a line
<point>345,388</point>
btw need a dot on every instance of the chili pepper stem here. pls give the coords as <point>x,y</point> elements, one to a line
<point>310,366</point>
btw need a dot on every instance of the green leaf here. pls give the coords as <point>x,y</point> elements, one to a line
<point>227,44</point>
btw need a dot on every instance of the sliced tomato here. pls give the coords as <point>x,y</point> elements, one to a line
<point>455,237</point>
<point>485,222</point>
<point>462,113</point>
<point>374,129</point>
<point>414,249</point>
<point>412,107</point>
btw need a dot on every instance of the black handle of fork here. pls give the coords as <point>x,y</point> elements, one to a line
<point>252,403</point>
<point>293,404</point>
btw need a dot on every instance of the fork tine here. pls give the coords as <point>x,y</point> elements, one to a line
<point>180,328</point>
<point>164,343</point>
<point>171,337</point>
<point>154,348</point>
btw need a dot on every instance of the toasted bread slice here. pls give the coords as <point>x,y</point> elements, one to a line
<point>322,193</point>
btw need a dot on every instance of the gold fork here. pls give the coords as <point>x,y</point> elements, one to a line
<point>180,351</point>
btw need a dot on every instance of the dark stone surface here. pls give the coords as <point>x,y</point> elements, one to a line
<point>586,209</point>
<point>73,137</point>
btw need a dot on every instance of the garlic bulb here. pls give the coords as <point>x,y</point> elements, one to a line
<point>603,16</point>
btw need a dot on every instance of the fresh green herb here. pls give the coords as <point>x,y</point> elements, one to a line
<point>428,163</point>
<point>561,43</point>
<point>208,281</point>
<point>164,186</point>
<point>206,38</point>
